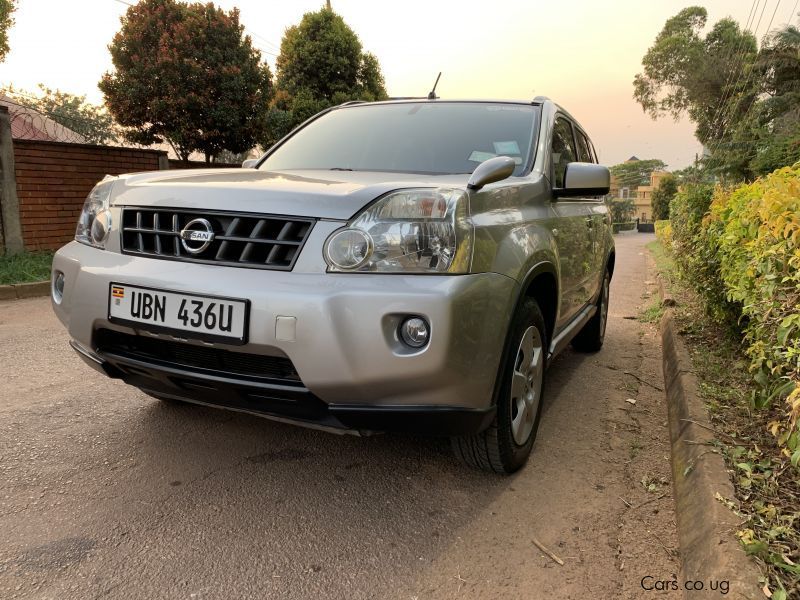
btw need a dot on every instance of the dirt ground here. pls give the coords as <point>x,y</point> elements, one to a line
<point>107,493</point>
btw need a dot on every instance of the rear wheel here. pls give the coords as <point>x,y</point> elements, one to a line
<point>505,445</point>
<point>590,338</point>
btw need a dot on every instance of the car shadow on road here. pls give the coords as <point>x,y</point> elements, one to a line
<point>296,496</point>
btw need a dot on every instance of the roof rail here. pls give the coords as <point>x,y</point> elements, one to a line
<point>540,100</point>
<point>408,98</point>
<point>349,102</point>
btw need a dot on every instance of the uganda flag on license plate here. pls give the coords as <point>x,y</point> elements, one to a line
<point>117,291</point>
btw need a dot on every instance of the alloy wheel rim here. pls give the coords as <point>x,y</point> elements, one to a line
<point>526,385</point>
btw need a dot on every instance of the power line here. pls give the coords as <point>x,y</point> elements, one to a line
<point>733,143</point>
<point>725,117</point>
<point>740,48</point>
<point>749,78</point>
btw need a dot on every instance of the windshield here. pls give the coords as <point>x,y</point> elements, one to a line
<point>419,137</point>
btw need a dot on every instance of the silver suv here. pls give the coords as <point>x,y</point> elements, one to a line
<point>395,266</point>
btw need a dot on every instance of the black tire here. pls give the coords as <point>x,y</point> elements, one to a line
<point>495,449</point>
<point>590,338</point>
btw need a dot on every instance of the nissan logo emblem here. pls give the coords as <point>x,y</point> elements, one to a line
<point>196,236</point>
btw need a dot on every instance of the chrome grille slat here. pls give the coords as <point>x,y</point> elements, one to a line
<point>241,239</point>
<point>176,243</point>
<point>156,237</point>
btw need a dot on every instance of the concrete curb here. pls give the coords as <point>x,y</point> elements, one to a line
<point>706,527</point>
<point>24,290</point>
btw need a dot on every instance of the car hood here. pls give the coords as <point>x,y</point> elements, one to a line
<point>322,194</point>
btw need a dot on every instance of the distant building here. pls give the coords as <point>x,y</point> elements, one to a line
<point>644,196</point>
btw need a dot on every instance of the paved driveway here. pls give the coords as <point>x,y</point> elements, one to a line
<point>105,492</point>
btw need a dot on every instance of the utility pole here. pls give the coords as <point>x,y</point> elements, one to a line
<point>328,4</point>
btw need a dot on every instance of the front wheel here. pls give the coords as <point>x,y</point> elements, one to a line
<point>505,445</point>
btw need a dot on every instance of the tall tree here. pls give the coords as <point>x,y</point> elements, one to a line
<point>187,74</point>
<point>707,78</point>
<point>92,122</point>
<point>633,173</point>
<point>321,64</point>
<point>7,7</point>
<point>767,135</point>
<point>662,196</point>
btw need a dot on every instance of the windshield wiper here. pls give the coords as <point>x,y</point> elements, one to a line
<point>339,169</point>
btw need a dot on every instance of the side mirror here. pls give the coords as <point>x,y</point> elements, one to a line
<point>584,179</point>
<point>250,163</point>
<point>489,171</point>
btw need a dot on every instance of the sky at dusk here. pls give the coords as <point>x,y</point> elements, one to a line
<point>582,54</point>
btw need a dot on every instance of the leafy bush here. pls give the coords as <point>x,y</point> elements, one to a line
<point>663,195</point>
<point>756,231</point>
<point>740,249</point>
<point>622,209</point>
<point>664,233</point>
<point>696,253</point>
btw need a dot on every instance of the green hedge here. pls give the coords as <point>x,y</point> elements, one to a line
<point>617,227</point>
<point>740,248</point>
<point>696,253</point>
<point>664,233</point>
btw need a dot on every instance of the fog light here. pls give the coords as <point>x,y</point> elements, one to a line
<point>415,332</point>
<point>58,286</point>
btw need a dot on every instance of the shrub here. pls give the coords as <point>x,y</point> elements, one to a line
<point>695,252</point>
<point>664,233</point>
<point>622,209</point>
<point>663,195</point>
<point>756,231</point>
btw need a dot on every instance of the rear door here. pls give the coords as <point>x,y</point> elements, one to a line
<point>572,230</point>
<point>597,211</point>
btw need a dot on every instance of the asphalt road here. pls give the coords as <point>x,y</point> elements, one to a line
<point>107,493</point>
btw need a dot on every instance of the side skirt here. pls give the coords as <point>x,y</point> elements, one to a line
<point>565,336</point>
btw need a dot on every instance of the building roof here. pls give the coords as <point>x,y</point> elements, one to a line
<point>29,124</point>
<point>633,158</point>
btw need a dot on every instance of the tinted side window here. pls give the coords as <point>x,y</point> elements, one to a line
<point>584,148</point>
<point>563,149</point>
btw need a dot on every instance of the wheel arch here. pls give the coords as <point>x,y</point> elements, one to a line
<point>612,257</point>
<point>541,284</point>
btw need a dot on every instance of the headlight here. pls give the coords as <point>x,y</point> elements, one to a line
<point>94,223</point>
<point>410,231</point>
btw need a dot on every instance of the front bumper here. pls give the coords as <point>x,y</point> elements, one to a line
<point>353,372</point>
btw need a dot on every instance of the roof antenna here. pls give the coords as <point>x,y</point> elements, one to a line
<point>432,95</point>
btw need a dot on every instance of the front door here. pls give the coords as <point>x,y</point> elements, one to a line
<point>573,226</point>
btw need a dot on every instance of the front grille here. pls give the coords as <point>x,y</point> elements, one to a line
<point>200,359</point>
<point>240,240</point>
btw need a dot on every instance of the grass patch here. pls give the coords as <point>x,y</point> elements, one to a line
<point>767,486</point>
<point>653,313</point>
<point>665,265</point>
<point>25,267</point>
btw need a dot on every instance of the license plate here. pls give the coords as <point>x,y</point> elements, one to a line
<point>177,313</point>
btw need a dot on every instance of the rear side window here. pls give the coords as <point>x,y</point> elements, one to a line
<point>563,150</point>
<point>584,148</point>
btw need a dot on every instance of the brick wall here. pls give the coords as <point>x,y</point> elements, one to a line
<point>54,178</point>
<point>200,164</point>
